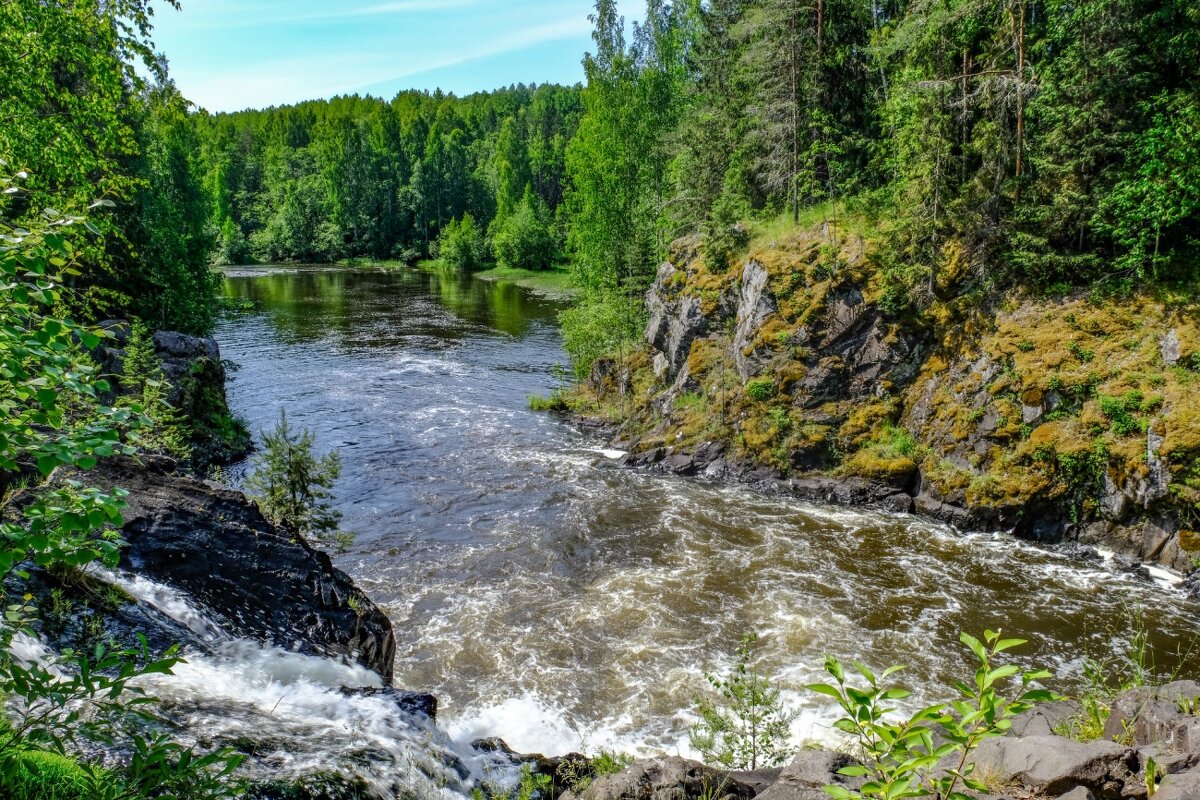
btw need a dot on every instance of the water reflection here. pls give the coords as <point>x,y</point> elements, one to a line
<point>307,303</point>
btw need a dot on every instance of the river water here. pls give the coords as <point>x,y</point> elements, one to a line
<point>549,597</point>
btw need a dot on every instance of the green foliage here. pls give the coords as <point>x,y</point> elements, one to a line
<point>461,244</point>
<point>760,389</point>
<point>531,786</point>
<point>38,775</point>
<point>51,416</point>
<point>576,775</point>
<point>901,758</point>
<point>291,486</point>
<point>88,108</point>
<point>142,377</point>
<point>599,325</point>
<point>1122,412</point>
<point>524,239</point>
<point>746,726</point>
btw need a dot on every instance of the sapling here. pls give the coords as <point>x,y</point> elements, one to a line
<point>900,757</point>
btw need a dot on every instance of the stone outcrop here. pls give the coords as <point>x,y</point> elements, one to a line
<point>252,577</point>
<point>193,367</point>
<point>665,779</point>
<point>1059,420</point>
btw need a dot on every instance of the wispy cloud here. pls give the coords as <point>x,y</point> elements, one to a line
<point>228,55</point>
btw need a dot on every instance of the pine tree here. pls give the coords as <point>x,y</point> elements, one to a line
<point>292,487</point>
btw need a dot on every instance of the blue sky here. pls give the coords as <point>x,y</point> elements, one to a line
<point>226,55</point>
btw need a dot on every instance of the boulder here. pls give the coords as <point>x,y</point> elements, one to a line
<point>1184,786</point>
<point>671,778</point>
<point>1054,765</point>
<point>251,576</point>
<point>807,774</point>
<point>1159,716</point>
<point>1042,719</point>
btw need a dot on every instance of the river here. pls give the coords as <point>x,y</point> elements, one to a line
<point>551,598</point>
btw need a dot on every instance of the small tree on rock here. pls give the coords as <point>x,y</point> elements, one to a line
<point>291,485</point>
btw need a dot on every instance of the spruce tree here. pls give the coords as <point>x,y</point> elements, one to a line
<point>292,486</point>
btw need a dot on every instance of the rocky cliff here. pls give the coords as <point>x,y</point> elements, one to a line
<point>253,578</point>
<point>1057,417</point>
<point>193,367</point>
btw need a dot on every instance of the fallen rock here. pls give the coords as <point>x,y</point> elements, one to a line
<point>252,577</point>
<point>671,778</point>
<point>807,774</point>
<point>1054,765</point>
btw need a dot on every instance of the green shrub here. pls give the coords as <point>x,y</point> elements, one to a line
<point>525,239</point>
<point>760,389</point>
<point>900,757</point>
<point>291,485</point>
<point>143,378</point>
<point>461,244</point>
<point>600,324</point>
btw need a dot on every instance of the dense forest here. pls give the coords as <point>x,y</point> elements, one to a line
<point>1037,141</point>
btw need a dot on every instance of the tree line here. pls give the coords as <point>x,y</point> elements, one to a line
<point>1038,141</point>
<point>1050,141</point>
<point>360,177</point>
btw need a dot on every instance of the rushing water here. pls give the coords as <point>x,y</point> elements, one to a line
<point>563,603</point>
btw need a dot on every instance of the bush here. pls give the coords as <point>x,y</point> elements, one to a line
<point>748,726</point>
<point>900,756</point>
<point>525,240</point>
<point>143,378</point>
<point>760,389</point>
<point>461,244</point>
<point>600,324</point>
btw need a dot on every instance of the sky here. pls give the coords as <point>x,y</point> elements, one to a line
<point>228,55</point>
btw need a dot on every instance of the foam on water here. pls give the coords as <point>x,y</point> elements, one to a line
<point>299,713</point>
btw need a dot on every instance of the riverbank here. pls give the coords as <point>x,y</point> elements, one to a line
<point>1064,417</point>
<point>555,283</point>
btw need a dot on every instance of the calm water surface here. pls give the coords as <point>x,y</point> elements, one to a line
<point>557,601</point>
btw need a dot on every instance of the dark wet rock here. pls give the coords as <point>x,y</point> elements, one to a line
<point>321,786</point>
<point>415,703</point>
<point>665,779</point>
<point>249,575</point>
<point>1054,765</point>
<point>808,772</point>
<point>1167,715</point>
